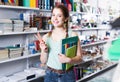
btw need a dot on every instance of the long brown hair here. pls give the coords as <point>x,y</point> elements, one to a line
<point>65,12</point>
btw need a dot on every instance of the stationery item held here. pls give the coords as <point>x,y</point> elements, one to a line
<point>69,48</point>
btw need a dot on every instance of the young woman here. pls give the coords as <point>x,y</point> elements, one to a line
<point>51,48</point>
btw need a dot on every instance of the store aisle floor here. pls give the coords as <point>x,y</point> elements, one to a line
<point>105,77</point>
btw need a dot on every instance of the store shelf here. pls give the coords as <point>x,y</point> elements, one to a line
<point>23,8</point>
<point>84,13</point>
<point>74,13</point>
<point>33,74</point>
<point>29,32</point>
<point>90,59</point>
<point>12,38</point>
<point>85,29</point>
<point>88,77</point>
<point>44,10</point>
<point>17,7</point>
<point>35,78</point>
<point>19,58</point>
<point>95,43</point>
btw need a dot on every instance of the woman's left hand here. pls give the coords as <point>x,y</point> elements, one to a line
<point>63,58</point>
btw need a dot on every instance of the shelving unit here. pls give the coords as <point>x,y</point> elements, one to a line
<point>87,31</point>
<point>11,66</point>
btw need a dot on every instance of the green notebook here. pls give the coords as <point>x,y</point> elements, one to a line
<point>69,48</point>
<point>71,52</point>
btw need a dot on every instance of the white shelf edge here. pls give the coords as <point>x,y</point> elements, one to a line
<point>98,56</point>
<point>84,13</point>
<point>85,29</point>
<point>44,10</point>
<point>18,58</point>
<point>95,73</point>
<point>99,42</point>
<point>94,43</point>
<point>77,12</point>
<point>29,32</point>
<point>23,8</point>
<point>36,77</point>
<point>18,7</point>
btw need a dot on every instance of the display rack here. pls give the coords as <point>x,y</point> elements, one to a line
<point>99,30</point>
<point>11,66</point>
<point>102,42</point>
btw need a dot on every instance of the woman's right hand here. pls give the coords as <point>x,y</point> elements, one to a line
<point>43,45</point>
